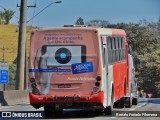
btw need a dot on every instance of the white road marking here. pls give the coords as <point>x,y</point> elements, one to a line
<point>138,106</point>
<point>113,117</point>
<point>3,107</point>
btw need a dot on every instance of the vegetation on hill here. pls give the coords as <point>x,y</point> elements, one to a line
<point>9,41</point>
<point>144,38</point>
<point>6,16</point>
<point>145,41</point>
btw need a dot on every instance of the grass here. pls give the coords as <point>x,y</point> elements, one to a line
<point>9,39</point>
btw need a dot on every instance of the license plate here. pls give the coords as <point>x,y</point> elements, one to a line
<point>64,86</point>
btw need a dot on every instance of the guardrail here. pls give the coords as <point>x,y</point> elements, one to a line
<point>13,97</point>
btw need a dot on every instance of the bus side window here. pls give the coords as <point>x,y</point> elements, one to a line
<point>123,49</point>
<point>109,49</point>
<point>113,50</point>
<point>109,43</point>
<point>103,51</point>
<point>120,47</point>
<point>117,50</point>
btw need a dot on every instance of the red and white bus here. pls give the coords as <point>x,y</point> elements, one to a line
<point>79,68</point>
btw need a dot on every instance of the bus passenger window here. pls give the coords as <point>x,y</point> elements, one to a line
<point>123,49</point>
<point>116,50</point>
<point>103,49</point>
<point>104,52</point>
<point>109,49</point>
<point>113,51</point>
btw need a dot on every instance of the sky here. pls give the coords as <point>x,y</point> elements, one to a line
<point>67,12</point>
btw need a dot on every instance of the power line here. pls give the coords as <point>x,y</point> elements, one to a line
<point>43,10</point>
<point>2,7</point>
<point>21,55</point>
<point>33,13</point>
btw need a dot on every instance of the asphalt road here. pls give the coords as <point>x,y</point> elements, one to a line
<point>145,108</point>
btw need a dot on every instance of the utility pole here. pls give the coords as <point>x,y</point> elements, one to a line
<point>22,54</point>
<point>4,86</point>
<point>21,47</point>
<point>22,80</point>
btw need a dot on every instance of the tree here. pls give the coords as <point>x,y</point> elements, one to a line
<point>99,23</point>
<point>8,14</point>
<point>12,74</point>
<point>79,21</point>
<point>145,41</point>
<point>150,73</point>
<point>142,37</point>
<point>1,17</point>
<point>158,26</point>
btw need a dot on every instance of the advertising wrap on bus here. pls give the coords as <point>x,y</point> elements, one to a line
<point>59,56</point>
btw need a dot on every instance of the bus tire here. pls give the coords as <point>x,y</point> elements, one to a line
<point>58,112</point>
<point>135,101</point>
<point>121,102</point>
<point>49,111</point>
<point>109,109</point>
<point>128,102</point>
<point>99,112</point>
<point>115,105</point>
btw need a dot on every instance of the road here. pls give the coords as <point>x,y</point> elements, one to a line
<point>152,104</point>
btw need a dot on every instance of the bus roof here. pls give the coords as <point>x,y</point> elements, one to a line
<point>102,31</point>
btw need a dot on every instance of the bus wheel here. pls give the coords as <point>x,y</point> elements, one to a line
<point>135,101</point>
<point>115,104</point>
<point>49,111</point>
<point>58,112</point>
<point>109,109</point>
<point>99,111</point>
<point>121,102</point>
<point>128,102</point>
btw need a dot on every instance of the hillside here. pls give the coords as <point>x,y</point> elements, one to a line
<point>9,39</point>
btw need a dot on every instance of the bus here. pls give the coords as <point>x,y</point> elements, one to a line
<point>79,68</point>
<point>133,81</point>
